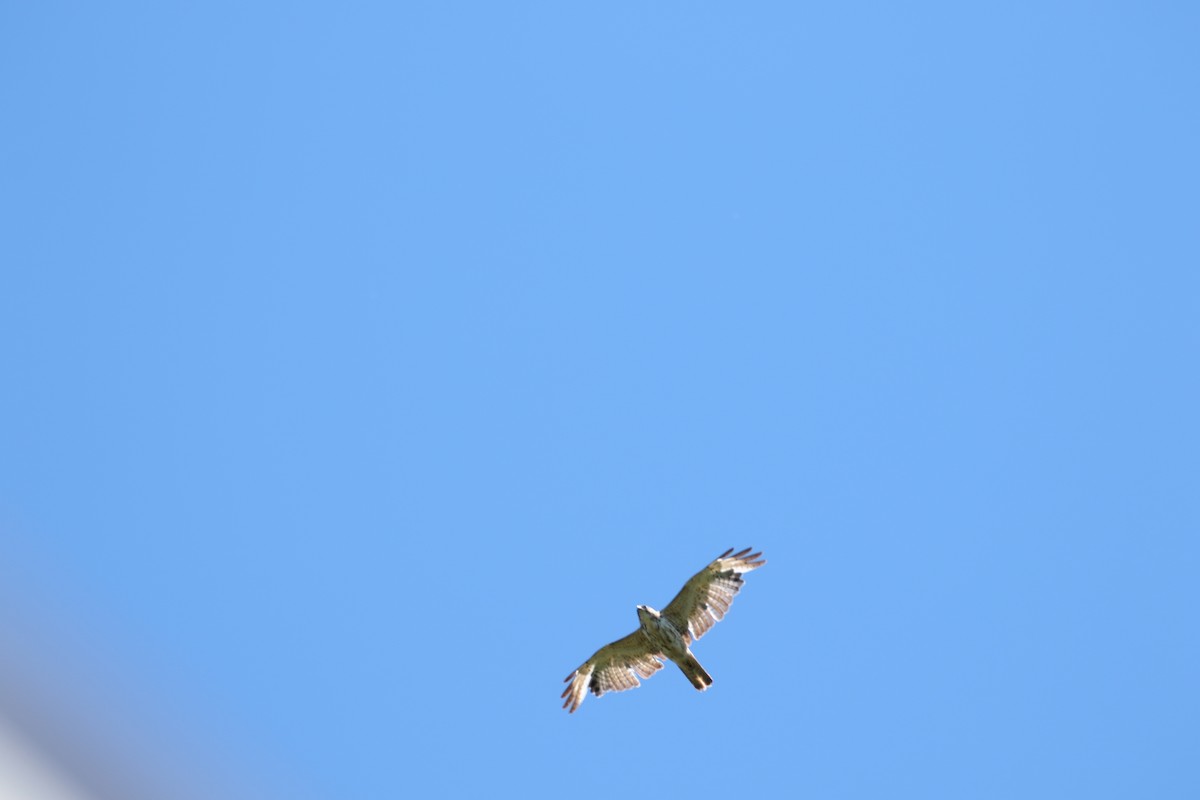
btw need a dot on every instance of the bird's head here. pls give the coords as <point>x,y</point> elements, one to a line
<point>646,612</point>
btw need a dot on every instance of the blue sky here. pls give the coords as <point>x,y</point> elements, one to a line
<point>365,364</point>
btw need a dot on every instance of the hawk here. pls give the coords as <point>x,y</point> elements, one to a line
<point>700,603</point>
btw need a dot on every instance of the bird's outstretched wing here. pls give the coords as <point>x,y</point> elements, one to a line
<point>612,668</point>
<point>706,597</point>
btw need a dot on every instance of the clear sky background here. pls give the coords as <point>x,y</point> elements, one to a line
<point>366,363</point>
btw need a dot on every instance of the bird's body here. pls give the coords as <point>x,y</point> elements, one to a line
<point>663,637</point>
<point>667,634</point>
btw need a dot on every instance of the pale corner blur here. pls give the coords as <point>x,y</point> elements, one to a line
<point>27,774</point>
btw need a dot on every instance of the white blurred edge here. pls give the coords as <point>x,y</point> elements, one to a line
<point>26,774</point>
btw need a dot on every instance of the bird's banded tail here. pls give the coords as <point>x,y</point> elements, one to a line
<point>695,673</point>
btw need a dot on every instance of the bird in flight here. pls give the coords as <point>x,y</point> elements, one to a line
<point>700,603</point>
